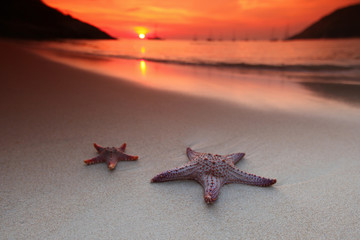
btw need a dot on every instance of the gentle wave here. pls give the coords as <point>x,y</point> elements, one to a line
<point>250,66</point>
<point>229,65</point>
<point>259,66</point>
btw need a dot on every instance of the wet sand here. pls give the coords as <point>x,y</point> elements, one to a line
<point>51,114</point>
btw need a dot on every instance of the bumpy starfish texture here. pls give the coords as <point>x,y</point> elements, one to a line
<point>212,172</point>
<point>110,155</point>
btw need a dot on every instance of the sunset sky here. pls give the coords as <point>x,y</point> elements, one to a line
<point>253,19</point>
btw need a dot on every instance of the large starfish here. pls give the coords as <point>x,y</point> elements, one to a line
<point>212,172</point>
<point>110,155</point>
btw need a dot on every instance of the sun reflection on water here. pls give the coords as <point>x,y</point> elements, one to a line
<point>143,67</point>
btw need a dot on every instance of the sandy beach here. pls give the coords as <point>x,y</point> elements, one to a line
<point>51,114</point>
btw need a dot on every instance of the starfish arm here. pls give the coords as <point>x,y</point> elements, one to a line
<point>237,176</point>
<point>124,157</point>
<point>211,186</point>
<point>122,148</point>
<point>112,161</point>
<point>235,157</point>
<point>98,159</point>
<point>187,171</point>
<point>98,148</point>
<point>191,153</point>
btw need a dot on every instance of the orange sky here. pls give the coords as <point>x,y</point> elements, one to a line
<point>253,19</point>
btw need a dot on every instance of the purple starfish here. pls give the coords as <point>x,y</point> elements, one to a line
<point>110,155</point>
<point>212,172</point>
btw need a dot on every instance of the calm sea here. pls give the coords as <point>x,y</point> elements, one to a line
<point>339,58</point>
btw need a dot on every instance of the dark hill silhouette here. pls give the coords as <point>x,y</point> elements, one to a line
<point>342,23</point>
<point>32,19</point>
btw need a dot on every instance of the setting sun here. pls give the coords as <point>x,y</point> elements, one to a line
<point>141,31</point>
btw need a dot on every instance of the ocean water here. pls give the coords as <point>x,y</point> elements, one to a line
<point>318,56</point>
<point>297,76</point>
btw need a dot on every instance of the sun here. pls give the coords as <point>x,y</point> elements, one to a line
<point>141,31</point>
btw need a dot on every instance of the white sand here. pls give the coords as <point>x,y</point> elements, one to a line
<point>51,114</point>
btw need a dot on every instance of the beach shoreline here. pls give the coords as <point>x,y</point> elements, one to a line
<point>331,93</point>
<point>53,113</point>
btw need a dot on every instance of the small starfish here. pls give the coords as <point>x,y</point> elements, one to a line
<point>212,172</point>
<point>110,155</point>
